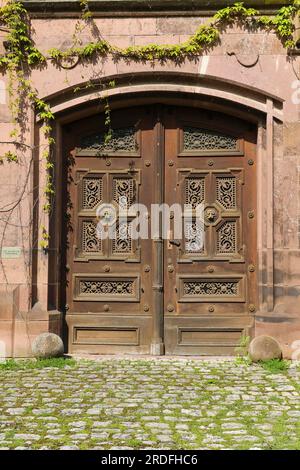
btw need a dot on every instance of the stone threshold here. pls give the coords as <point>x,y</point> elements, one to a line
<point>148,357</point>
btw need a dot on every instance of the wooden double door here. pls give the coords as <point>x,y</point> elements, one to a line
<point>156,293</point>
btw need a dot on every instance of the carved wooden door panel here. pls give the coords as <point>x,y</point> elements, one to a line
<point>109,281</point>
<point>209,287</point>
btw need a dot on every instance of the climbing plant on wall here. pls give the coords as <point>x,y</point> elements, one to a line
<point>22,56</point>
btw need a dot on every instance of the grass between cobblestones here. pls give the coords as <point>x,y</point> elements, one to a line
<point>59,362</point>
<point>143,404</point>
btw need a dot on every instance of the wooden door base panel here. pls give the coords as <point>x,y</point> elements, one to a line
<point>205,336</point>
<point>96,334</point>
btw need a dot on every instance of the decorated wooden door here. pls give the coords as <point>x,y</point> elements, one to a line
<point>210,287</point>
<point>109,281</point>
<point>153,293</point>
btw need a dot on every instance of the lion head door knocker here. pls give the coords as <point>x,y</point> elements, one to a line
<point>210,215</point>
<point>106,217</point>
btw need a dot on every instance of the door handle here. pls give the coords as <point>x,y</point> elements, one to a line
<point>172,241</point>
<point>175,242</point>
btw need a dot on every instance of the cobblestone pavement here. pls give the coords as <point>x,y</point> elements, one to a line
<point>143,404</point>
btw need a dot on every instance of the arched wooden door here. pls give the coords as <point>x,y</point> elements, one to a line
<point>157,295</point>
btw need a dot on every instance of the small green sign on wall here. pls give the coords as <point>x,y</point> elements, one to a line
<point>11,252</point>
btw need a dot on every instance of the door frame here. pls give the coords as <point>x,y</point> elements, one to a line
<point>51,296</point>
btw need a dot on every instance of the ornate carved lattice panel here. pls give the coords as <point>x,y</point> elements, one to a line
<point>124,192</point>
<point>211,289</point>
<point>106,288</point>
<point>227,238</point>
<point>194,238</point>
<point>91,192</point>
<point>206,140</point>
<point>194,191</point>
<point>123,140</point>
<point>90,243</point>
<point>122,244</point>
<point>226,192</point>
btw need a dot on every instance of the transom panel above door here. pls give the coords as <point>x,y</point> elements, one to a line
<point>139,295</point>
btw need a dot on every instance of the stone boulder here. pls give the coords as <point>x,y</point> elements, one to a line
<point>47,345</point>
<point>264,348</point>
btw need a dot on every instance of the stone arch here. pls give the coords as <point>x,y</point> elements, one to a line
<point>230,98</point>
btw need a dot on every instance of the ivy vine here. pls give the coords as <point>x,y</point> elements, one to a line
<point>22,56</point>
<point>206,36</point>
